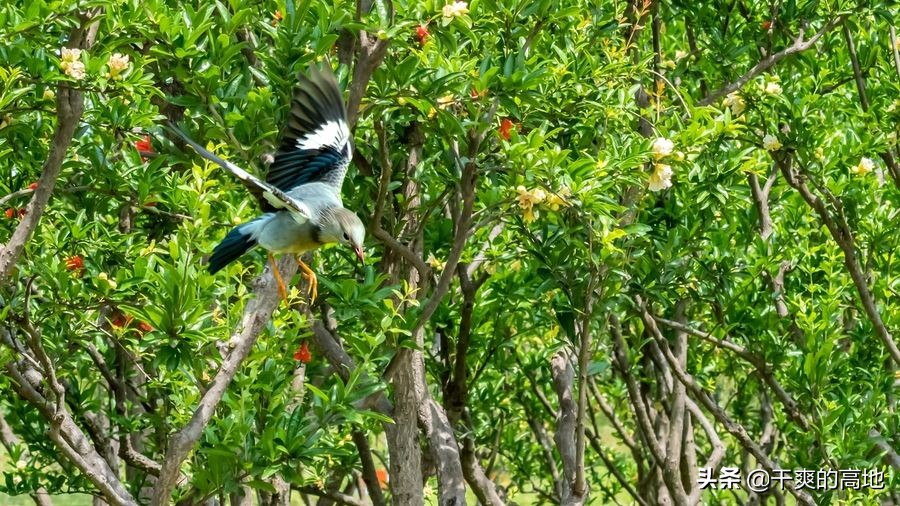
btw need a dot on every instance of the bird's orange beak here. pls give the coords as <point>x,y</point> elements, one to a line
<point>360,254</point>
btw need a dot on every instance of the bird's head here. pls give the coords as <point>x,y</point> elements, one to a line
<point>344,226</point>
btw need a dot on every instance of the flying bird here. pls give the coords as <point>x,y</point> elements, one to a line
<point>301,195</point>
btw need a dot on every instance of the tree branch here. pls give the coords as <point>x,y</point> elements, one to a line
<point>735,429</point>
<point>332,495</point>
<point>566,421</point>
<point>860,79</point>
<point>762,368</point>
<point>66,434</point>
<point>368,468</point>
<point>768,62</point>
<point>69,107</point>
<point>256,314</point>
<point>672,480</point>
<point>540,434</point>
<point>840,231</point>
<point>481,485</point>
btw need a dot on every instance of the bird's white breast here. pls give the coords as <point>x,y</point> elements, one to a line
<point>280,233</point>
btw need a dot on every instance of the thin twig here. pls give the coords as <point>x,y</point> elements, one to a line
<point>768,62</point>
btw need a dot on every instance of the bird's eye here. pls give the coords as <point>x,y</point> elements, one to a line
<point>346,237</point>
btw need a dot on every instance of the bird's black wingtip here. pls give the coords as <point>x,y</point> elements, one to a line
<point>236,243</point>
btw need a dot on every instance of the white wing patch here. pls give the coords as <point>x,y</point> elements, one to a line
<point>332,133</point>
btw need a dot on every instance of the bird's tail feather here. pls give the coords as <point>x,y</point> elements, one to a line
<point>235,244</point>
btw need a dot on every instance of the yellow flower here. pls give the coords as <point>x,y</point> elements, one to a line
<point>735,102</point>
<point>48,94</point>
<point>773,88</point>
<point>661,178</point>
<point>117,64</point>
<point>75,70</point>
<point>445,101</point>
<point>864,166</point>
<point>771,143</point>
<point>556,200</point>
<point>662,147</point>
<point>71,63</point>
<point>528,215</point>
<point>105,277</point>
<point>455,9</point>
<point>432,113</point>
<point>435,263</point>
<point>820,154</point>
<point>70,55</point>
<point>527,198</point>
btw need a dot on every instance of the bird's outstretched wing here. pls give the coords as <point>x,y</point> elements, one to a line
<point>273,195</point>
<point>315,143</point>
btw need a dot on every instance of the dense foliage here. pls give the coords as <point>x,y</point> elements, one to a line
<point>610,243</point>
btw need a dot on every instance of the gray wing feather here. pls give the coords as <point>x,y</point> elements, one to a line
<point>273,195</point>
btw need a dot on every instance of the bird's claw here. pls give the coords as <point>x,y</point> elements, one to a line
<point>313,290</point>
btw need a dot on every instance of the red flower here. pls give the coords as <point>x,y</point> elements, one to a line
<point>10,213</point>
<point>143,145</point>
<point>32,186</point>
<point>506,126</point>
<point>144,327</point>
<point>302,354</point>
<point>119,319</point>
<point>382,475</point>
<point>74,263</point>
<point>766,25</point>
<point>276,18</point>
<point>22,212</point>
<point>422,34</point>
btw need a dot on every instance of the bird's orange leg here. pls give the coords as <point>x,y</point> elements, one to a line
<point>311,277</point>
<point>282,290</point>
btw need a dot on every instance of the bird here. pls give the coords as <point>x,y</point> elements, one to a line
<point>301,194</point>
